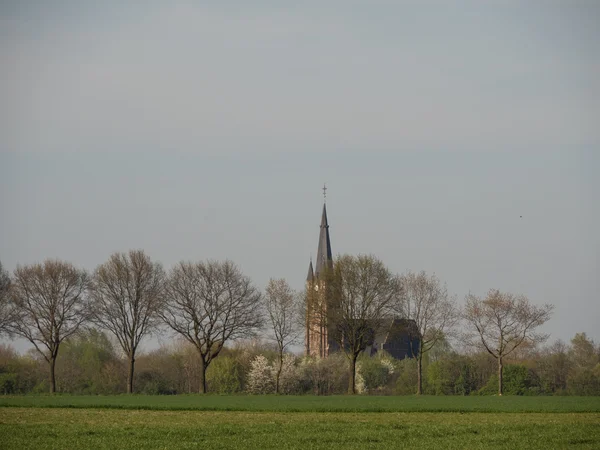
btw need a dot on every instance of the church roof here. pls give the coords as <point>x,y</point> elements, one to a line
<point>391,327</point>
<point>324,255</point>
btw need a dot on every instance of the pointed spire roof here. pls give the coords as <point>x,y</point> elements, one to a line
<point>324,255</point>
<point>311,273</point>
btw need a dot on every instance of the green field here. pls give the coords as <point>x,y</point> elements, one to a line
<point>36,428</point>
<point>306,422</point>
<point>310,403</point>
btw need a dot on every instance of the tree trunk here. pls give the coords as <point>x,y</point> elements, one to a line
<point>500,373</point>
<point>419,374</point>
<point>130,374</point>
<point>202,387</point>
<point>279,373</point>
<point>52,376</point>
<point>352,382</point>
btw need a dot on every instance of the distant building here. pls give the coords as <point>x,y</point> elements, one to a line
<point>397,336</point>
<point>318,340</point>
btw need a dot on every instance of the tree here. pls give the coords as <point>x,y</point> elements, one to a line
<point>127,297</point>
<point>260,376</point>
<point>209,304</point>
<point>554,366</point>
<point>584,378</point>
<point>85,364</point>
<point>583,352</point>
<point>282,306</point>
<point>362,289</point>
<point>6,306</point>
<point>51,303</point>
<point>425,301</point>
<point>502,322</point>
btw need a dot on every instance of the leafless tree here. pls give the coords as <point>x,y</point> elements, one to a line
<point>51,303</point>
<point>553,366</point>
<point>127,297</point>
<point>7,308</point>
<point>282,305</point>
<point>362,289</point>
<point>502,322</point>
<point>210,303</point>
<point>425,301</point>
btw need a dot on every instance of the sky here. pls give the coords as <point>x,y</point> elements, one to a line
<point>460,138</point>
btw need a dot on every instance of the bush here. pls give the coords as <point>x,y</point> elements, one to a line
<point>406,383</point>
<point>585,382</point>
<point>491,387</point>
<point>260,377</point>
<point>451,375</point>
<point>465,384</point>
<point>290,379</point>
<point>152,383</point>
<point>517,381</point>
<point>20,374</point>
<point>224,375</point>
<point>374,373</point>
<point>324,376</point>
<point>43,387</point>
<point>82,362</point>
<point>8,383</point>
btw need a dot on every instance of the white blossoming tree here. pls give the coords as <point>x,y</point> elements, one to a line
<point>260,377</point>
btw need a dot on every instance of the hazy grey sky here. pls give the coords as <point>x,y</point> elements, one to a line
<point>200,131</point>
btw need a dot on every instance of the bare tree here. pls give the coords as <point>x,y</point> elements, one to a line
<point>51,303</point>
<point>502,322</point>
<point>554,365</point>
<point>424,300</point>
<point>282,305</point>
<point>7,309</point>
<point>209,304</point>
<point>127,297</point>
<point>362,289</point>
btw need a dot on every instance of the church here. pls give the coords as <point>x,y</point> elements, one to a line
<point>394,336</point>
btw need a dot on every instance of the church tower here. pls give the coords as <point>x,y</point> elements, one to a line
<point>317,342</point>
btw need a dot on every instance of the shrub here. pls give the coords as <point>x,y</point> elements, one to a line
<point>260,377</point>
<point>151,383</point>
<point>374,373</point>
<point>585,382</point>
<point>324,376</point>
<point>406,383</point>
<point>41,388</point>
<point>224,375</point>
<point>8,383</point>
<point>516,381</point>
<point>290,380</point>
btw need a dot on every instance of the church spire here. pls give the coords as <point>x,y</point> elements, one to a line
<point>324,255</point>
<point>311,274</point>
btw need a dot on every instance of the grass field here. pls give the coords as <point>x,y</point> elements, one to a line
<point>62,428</point>
<point>309,403</point>
<point>307,422</point>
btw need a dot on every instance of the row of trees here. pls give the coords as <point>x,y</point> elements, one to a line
<point>90,363</point>
<point>209,304</point>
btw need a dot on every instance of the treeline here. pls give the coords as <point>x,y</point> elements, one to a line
<point>90,364</point>
<point>87,329</point>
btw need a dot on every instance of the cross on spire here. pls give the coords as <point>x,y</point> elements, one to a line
<point>324,192</point>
